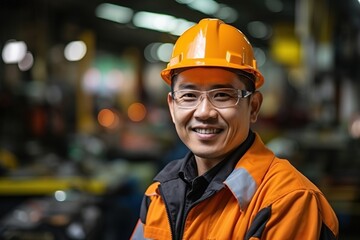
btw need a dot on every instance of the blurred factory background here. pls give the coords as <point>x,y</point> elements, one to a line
<point>84,124</point>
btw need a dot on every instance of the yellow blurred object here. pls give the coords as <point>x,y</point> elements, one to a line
<point>48,185</point>
<point>212,43</point>
<point>285,46</point>
<point>84,102</point>
<point>8,160</point>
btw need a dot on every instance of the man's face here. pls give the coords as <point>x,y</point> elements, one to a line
<point>210,132</point>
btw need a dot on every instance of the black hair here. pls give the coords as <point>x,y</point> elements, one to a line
<point>247,78</point>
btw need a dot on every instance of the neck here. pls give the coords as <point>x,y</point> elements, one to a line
<point>205,164</point>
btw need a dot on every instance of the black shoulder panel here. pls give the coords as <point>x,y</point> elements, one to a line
<point>326,233</point>
<point>258,225</point>
<point>144,208</point>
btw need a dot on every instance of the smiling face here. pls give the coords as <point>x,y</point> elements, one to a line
<point>212,133</point>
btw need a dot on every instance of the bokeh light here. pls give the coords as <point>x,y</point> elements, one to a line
<point>137,112</point>
<point>108,118</point>
<point>354,127</point>
<point>14,51</point>
<point>27,62</point>
<point>60,195</point>
<point>75,51</point>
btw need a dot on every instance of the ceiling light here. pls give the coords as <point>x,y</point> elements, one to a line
<point>149,20</point>
<point>275,5</point>
<point>212,8</point>
<point>14,51</point>
<point>161,22</point>
<point>154,21</point>
<point>155,52</point>
<point>226,13</point>
<point>150,52</point>
<point>114,13</point>
<point>260,56</point>
<point>27,62</point>
<point>209,7</point>
<point>164,52</point>
<point>181,26</point>
<point>75,51</point>
<point>258,29</point>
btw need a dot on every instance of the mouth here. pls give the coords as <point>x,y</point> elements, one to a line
<point>207,130</point>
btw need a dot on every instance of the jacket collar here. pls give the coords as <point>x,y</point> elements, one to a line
<point>172,170</point>
<point>242,181</point>
<point>249,172</point>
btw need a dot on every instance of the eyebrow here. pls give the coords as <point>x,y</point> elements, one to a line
<point>193,86</point>
<point>187,86</point>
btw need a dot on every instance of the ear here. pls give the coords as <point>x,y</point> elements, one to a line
<point>255,104</point>
<point>170,101</point>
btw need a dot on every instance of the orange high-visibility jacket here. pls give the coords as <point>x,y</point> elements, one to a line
<point>263,198</point>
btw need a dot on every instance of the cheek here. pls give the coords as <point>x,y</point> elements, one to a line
<point>181,118</point>
<point>181,121</point>
<point>239,123</point>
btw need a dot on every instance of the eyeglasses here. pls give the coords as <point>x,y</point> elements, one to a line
<point>219,98</point>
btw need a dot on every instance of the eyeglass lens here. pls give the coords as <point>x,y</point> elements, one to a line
<point>219,98</point>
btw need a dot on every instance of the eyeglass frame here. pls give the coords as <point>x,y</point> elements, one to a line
<point>241,93</point>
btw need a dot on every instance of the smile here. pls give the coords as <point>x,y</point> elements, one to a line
<point>207,130</point>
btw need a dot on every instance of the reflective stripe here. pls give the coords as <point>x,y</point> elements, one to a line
<point>242,185</point>
<point>138,233</point>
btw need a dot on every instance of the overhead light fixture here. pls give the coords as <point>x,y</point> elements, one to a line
<point>154,21</point>
<point>157,51</point>
<point>260,56</point>
<point>209,7</point>
<point>258,29</point>
<point>150,52</point>
<point>142,19</point>
<point>275,5</point>
<point>14,51</point>
<point>226,13</point>
<point>114,13</point>
<point>181,26</point>
<point>212,8</point>
<point>75,51</point>
<point>164,52</point>
<point>161,22</point>
<point>27,62</point>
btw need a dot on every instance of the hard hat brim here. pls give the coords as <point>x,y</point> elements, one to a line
<point>168,72</point>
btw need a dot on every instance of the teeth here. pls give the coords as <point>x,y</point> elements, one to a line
<point>207,131</point>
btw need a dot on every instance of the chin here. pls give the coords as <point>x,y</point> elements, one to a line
<point>207,152</point>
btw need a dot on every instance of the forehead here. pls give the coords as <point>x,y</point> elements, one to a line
<point>203,77</point>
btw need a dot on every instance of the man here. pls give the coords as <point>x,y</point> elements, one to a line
<point>230,186</point>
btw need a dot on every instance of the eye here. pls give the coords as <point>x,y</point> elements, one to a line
<point>187,96</point>
<point>224,95</point>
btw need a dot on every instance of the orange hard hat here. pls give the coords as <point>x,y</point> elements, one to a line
<point>212,43</point>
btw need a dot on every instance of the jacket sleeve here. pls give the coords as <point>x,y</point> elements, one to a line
<point>301,214</point>
<point>138,232</point>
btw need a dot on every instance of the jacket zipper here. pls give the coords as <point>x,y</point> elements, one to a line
<point>191,207</point>
<point>172,230</point>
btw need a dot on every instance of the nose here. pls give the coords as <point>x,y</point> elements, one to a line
<point>205,110</point>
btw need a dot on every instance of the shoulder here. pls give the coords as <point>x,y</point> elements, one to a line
<point>284,171</point>
<point>282,178</point>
